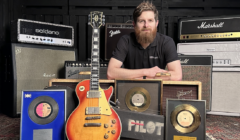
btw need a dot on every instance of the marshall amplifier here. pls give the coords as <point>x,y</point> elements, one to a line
<point>72,69</point>
<point>225,53</point>
<point>29,31</point>
<point>141,126</point>
<point>113,32</point>
<point>209,28</point>
<point>199,68</point>
<point>225,91</point>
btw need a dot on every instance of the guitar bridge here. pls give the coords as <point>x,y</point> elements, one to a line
<point>93,118</point>
<point>92,124</point>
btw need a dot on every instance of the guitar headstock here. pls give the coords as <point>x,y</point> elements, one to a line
<point>96,19</point>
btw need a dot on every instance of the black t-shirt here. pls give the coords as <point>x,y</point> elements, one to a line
<point>160,52</point>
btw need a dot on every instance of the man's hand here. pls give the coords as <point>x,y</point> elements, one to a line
<point>151,72</point>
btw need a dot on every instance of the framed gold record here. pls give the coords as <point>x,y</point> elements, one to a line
<point>139,95</point>
<point>185,119</point>
<point>138,99</point>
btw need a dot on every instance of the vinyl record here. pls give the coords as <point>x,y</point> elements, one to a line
<point>185,118</point>
<point>138,99</point>
<point>43,110</point>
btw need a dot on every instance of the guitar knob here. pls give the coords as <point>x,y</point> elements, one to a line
<point>106,125</point>
<point>114,121</point>
<point>106,136</point>
<point>113,131</point>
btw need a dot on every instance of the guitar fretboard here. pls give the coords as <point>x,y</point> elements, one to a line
<point>95,60</point>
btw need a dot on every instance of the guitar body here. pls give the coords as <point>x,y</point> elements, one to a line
<point>77,124</point>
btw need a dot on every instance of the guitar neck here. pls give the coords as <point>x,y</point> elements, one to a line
<point>94,81</point>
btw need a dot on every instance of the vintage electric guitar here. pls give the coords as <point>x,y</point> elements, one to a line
<point>94,118</point>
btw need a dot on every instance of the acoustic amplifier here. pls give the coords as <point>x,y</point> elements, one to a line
<point>29,31</point>
<point>225,91</point>
<point>198,68</point>
<point>225,53</point>
<point>113,32</point>
<point>209,28</point>
<point>30,67</point>
<point>141,126</point>
<point>72,69</point>
<point>191,90</point>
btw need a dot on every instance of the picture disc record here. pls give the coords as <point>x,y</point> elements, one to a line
<point>185,118</point>
<point>138,99</point>
<point>43,110</point>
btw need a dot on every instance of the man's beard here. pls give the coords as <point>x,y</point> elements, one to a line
<point>145,37</point>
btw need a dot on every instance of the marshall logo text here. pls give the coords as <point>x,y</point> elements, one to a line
<point>185,61</point>
<point>206,26</point>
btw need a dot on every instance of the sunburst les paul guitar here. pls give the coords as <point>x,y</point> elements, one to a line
<point>94,118</point>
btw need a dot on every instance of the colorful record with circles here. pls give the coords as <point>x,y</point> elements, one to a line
<point>43,110</point>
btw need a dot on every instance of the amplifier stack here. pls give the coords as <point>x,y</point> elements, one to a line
<point>221,35</point>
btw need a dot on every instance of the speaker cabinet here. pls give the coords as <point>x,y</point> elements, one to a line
<point>191,90</point>
<point>199,68</point>
<point>30,67</point>
<point>113,32</point>
<point>225,95</point>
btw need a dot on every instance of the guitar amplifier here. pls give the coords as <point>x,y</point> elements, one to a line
<point>72,83</point>
<point>209,28</point>
<point>72,69</point>
<point>113,32</point>
<point>225,91</point>
<point>141,126</point>
<point>29,31</point>
<point>225,53</point>
<point>198,68</point>
<point>191,90</point>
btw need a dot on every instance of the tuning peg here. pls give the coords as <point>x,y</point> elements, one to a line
<point>89,15</point>
<point>89,23</point>
<point>103,16</point>
<point>103,20</point>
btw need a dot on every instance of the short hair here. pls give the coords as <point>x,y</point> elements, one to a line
<point>145,6</point>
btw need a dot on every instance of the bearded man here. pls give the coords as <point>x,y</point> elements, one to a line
<point>144,53</point>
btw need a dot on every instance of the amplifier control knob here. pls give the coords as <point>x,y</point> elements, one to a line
<point>106,136</point>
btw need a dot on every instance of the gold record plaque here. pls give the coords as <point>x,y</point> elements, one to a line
<point>185,118</point>
<point>138,99</point>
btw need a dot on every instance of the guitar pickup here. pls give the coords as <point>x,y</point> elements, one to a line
<point>93,110</point>
<point>94,94</point>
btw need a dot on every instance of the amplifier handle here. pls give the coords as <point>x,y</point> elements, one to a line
<point>85,73</point>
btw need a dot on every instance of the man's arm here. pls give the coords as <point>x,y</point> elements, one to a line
<point>175,69</point>
<point>115,71</point>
